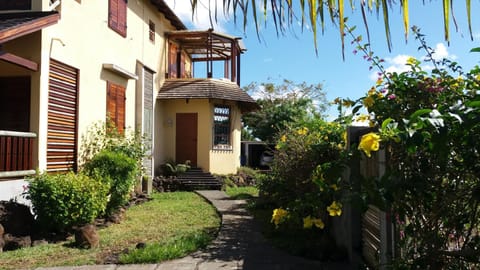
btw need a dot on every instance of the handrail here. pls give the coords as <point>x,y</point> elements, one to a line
<point>17,134</point>
<point>16,153</point>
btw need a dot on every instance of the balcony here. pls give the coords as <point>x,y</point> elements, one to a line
<point>16,153</point>
<point>221,51</point>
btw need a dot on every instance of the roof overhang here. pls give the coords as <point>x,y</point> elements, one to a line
<point>169,14</point>
<point>18,24</point>
<point>206,89</point>
<point>15,25</point>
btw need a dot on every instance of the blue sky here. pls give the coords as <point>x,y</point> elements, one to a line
<point>292,56</point>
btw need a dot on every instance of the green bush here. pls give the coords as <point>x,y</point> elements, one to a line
<point>117,170</point>
<point>61,201</point>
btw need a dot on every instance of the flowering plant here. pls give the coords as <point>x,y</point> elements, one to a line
<point>429,124</point>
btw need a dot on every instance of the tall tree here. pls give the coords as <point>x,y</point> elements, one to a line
<point>314,12</point>
<point>282,105</point>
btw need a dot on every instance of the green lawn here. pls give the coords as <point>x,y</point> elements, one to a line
<point>247,192</point>
<point>169,218</point>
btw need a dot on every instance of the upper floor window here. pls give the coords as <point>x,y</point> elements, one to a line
<point>117,16</point>
<point>151,31</point>
<point>15,4</point>
<point>221,129</point>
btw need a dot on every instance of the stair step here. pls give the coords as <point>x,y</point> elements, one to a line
<point>196,178</point>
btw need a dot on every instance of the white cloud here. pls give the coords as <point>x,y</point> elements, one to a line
<point>201,17</point>
<point>398,63</point>
<point>441,52</point>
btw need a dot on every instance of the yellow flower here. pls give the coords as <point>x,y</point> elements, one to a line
<point>363,118</point>
<point>347,103</point>
<point>335,209</point>
<point>307,222</point>
<point>411,61</point>
<point>372,91</point>
<point>334,187</point>
<point>369,142</point>
<point>283,138</point>
<point>318,223</point>
<point>279,216</point>
<point>379,81</point>
<point>368,102</point>
<point>302,131</point>
<point>344,136</point>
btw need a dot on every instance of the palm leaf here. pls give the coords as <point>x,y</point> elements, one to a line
<point>469,18</point>
<point>362,7</point>
<point>341,18</point>
<point>446,19</point>
<point>312,5</point>
<point>405,17</point>
<point>322,16</point>
<point>387,24</point>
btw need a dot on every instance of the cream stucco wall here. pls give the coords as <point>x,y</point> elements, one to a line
<point>214,161</point>
<point>83,40</point>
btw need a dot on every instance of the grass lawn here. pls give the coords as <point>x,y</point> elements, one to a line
<point>240,193</point>
<point>171,219</point>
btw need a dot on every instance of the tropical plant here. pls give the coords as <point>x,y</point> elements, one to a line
<point>428,123</point>
<point>314,13</point>
<point>282,105</point>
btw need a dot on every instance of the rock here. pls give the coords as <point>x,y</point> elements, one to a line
<point>12,242</point>
<point>16,218</point>
<point>40,242</point>
<point>141,245</point>
<point>2,242</point>
<point>118,216</point>
<point>87,237</point>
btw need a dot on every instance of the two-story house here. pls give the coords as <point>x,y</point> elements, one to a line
<point>66,65</point>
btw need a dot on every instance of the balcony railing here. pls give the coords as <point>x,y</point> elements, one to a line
<point>16,153</point>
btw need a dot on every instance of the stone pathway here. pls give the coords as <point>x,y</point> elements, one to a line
<point>239,245</point>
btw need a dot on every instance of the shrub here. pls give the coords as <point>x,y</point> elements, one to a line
<point>117,170</point>
<point>61,201</point>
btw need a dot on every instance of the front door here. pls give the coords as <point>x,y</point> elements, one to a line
<point>186,138</point>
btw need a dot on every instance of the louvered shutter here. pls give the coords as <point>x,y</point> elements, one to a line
<point>116,105</point>
<point>62,117</point>
<point>120,109</point>
<point>122,17</point>
<point>117,16</point>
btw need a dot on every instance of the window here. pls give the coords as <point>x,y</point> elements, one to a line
<point>221,129</point>
<point>117,16</point>
<point>116,105</point>
<point>151,31</point>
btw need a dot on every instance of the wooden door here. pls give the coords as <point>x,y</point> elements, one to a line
<point>186,138</point>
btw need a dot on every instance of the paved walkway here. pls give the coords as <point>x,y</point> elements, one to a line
<point>239,245</point>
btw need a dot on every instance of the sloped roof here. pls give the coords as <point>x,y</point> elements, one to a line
<point>169,14</point>
<point>206,89</point>
<point>14,25</point>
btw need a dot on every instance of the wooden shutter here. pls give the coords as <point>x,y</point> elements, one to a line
<point>172,60</point>
<point>116,105</point>
<point>148,119</point>
<point>62,117</point>
<point>117,16</point>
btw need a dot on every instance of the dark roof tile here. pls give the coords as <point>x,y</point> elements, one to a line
<point>206,89</point>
